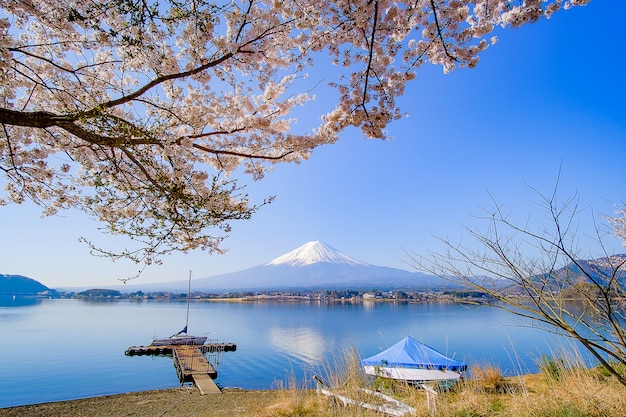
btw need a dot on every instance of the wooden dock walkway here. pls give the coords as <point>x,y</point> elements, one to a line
<point>190,363</point>
<point>205,384</point>
<point>189,360</point>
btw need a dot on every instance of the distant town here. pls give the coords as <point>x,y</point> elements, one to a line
<point>284,295</point>
<point>16,286</point>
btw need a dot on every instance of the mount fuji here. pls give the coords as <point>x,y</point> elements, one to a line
<point>314,265</point>
<point>312,253</point>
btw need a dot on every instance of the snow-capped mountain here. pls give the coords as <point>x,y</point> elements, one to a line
<point>314,252</point>
<point>314,265</point>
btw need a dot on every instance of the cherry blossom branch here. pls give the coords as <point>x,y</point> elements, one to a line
<point>440,31</point>
<point>47,120</point>
<point>371,54</point>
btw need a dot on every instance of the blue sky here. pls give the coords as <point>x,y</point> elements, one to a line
<point>548,97</point>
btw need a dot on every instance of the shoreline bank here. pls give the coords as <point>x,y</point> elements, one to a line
<point>180,402</point>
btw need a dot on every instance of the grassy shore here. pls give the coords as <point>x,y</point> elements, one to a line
<point>562,389</point>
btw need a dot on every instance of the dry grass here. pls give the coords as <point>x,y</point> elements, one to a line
<point>487,393</point>
<point>563,388</point>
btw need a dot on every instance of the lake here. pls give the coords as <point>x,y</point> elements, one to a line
<point>54,350</point>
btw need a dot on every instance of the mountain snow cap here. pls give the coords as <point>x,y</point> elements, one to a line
<point>314,252</point>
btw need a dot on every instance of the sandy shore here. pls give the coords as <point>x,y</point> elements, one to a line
<point>179,402</point>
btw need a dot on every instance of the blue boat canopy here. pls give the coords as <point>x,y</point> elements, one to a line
<point>409,353</point>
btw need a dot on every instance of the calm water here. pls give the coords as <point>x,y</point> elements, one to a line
<point>66,349</point>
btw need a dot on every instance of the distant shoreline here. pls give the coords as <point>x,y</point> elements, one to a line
<point>319,295</point>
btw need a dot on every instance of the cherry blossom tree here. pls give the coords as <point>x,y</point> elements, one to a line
<point>138,112</point>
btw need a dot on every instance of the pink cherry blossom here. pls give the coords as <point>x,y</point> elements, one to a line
<point>139,112</point>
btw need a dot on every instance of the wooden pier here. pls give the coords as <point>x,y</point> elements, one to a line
<point>190,363</point>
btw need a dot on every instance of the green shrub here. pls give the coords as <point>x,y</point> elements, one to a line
<point>552,367</point>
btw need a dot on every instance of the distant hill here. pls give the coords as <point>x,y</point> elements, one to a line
<point>98,293</point>
<point>600,270</point>
<point>20,285</point>
<point>314,265</point>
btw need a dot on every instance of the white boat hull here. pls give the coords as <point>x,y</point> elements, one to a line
<point>412,374</point>
<point>179,340</point>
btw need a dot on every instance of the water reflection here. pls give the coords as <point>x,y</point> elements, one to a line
<point>369,305</point>
<point>18,301</point>
<point>303,343</point>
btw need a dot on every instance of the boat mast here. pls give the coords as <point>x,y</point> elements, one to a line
<point>188,298</point>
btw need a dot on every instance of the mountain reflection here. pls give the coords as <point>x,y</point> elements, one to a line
<point>304,343</point>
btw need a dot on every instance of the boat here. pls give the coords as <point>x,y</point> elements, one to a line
<point>414,362</point>
<point>181,337</point>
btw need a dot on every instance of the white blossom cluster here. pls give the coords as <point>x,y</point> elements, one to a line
<point>136,110</point>
<point>619,224</point>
